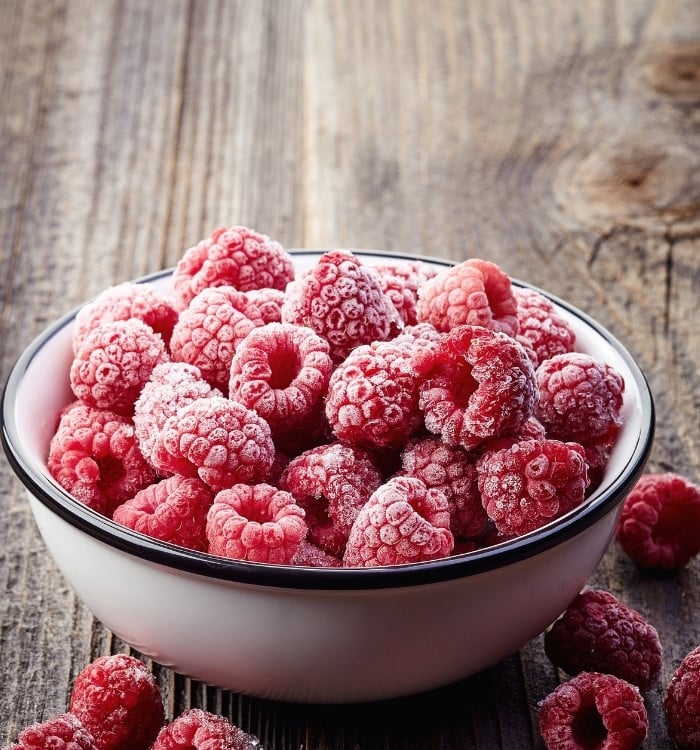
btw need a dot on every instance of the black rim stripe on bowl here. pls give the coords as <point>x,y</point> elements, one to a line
<point>101,528</point>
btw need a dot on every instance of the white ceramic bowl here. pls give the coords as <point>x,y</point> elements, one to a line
<point>317,635</point>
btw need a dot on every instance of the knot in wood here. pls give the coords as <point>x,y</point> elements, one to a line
<point>674,72</point>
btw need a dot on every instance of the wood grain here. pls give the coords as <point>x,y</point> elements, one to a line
<point>559,139</point>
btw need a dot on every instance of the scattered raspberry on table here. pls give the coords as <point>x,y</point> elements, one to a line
<point>682,703</point>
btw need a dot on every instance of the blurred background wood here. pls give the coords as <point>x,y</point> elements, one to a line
<point>559,139</point>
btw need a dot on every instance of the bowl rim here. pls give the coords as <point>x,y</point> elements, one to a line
<point>47,491</point>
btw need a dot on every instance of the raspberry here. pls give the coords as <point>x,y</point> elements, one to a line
<point>541,327</point>
<point>475,292</point>
<point>281,371</point>
<point>478,384</point>
<point>59,732</point>
<point>343,302</point>
<point>598,633</point>
<point>331,483</point>
<point>682,703</point>
<point>263,304</point>
<point>580,398</point>
<point>94,455</point>
<point>173,510</point>
<point>593,711</point>
<point>122,302</point>
<point>208,332</point>
<point>171,386</point>
<point>310,555</point>
<point>531,483</point>
<point>400,281</point>
<point>234,256</point>
<point>218,440</point>
<point>259,523</point>
<point>118,701</point>
<point>402,522</point>
<point>452,470</point>
<point>114,362</point>
<point>196,729</point>
<point>659,526</point>
<point>372,396</point>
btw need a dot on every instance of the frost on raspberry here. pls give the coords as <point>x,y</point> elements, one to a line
<point>196,729</point>
<point>94,455</point>
<point>475,292</point>
<point>400,281</point>
<point>259,523</point>
<point>331,483</point>
<point>531,483</point>
<point>61,731</point>
<point>125,301</point>
<point>372,397</point>
<point>118,701</point>
<point>209,330</point>
<point>659,526</point>
<point>173,510</point>
<point>593,711</point>
<point>233,256</point>
<point>342,301</point>
<point>477,385</point>
<point>598,633</point>
<point>218,440</point>
<point>682,702</point>
<point>402,522</point>
<point>541,327</point>
<point>452,470</point>
<point>281,371</point>
<point>114,362</point>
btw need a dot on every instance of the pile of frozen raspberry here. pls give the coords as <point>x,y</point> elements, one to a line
<point>331,416</point>
<point>116,703</point>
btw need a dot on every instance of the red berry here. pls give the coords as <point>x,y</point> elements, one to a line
<point>659,527</point>
<point>598,633</point>
<point>61,732</point>
<point>173,510</point>
<point>593,711</point>
<point>400,281</point>
<point>402,522</point>
<point>233,256</point>
<point>475,292</point>
<point>682,703</point>
<point>196,729</point>
<point>118,701</point>
<point>259,523</point>
<point>545,331</point>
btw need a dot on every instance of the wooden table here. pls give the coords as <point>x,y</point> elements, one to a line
<point>559,139</point>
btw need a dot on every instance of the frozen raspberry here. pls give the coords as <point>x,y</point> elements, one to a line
<point>281,371</point>
<point>580,398</point>
<point>233,256</point>
<point>531,429</point>
<point>171,386</point>
<point>541,327</point>
<point>452,470</point>
<point>196,729</point>
<point>331,483</point>
<point>659,527</point>
<point>208,332</point>
<point>424,334</point>
<point>400,281</point>
<point>118,701</point>
<point>94,455</point>
<point>263,304</point>
<point>259,523</point>
<point>598,633</point>
<point>593,711</point>
<point>173,510</point>
<point>218,440</point>
<point>114,362</point>
<point>123,302</point>
<point>309,555</point>
<point>372,396</point>
<point>477,385</point>
<point>531,483</point>
<point>475,292</point>
<point>682,703</point>
<point>402,522</point>
<point>62,732</point>
<point>343,302</point>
